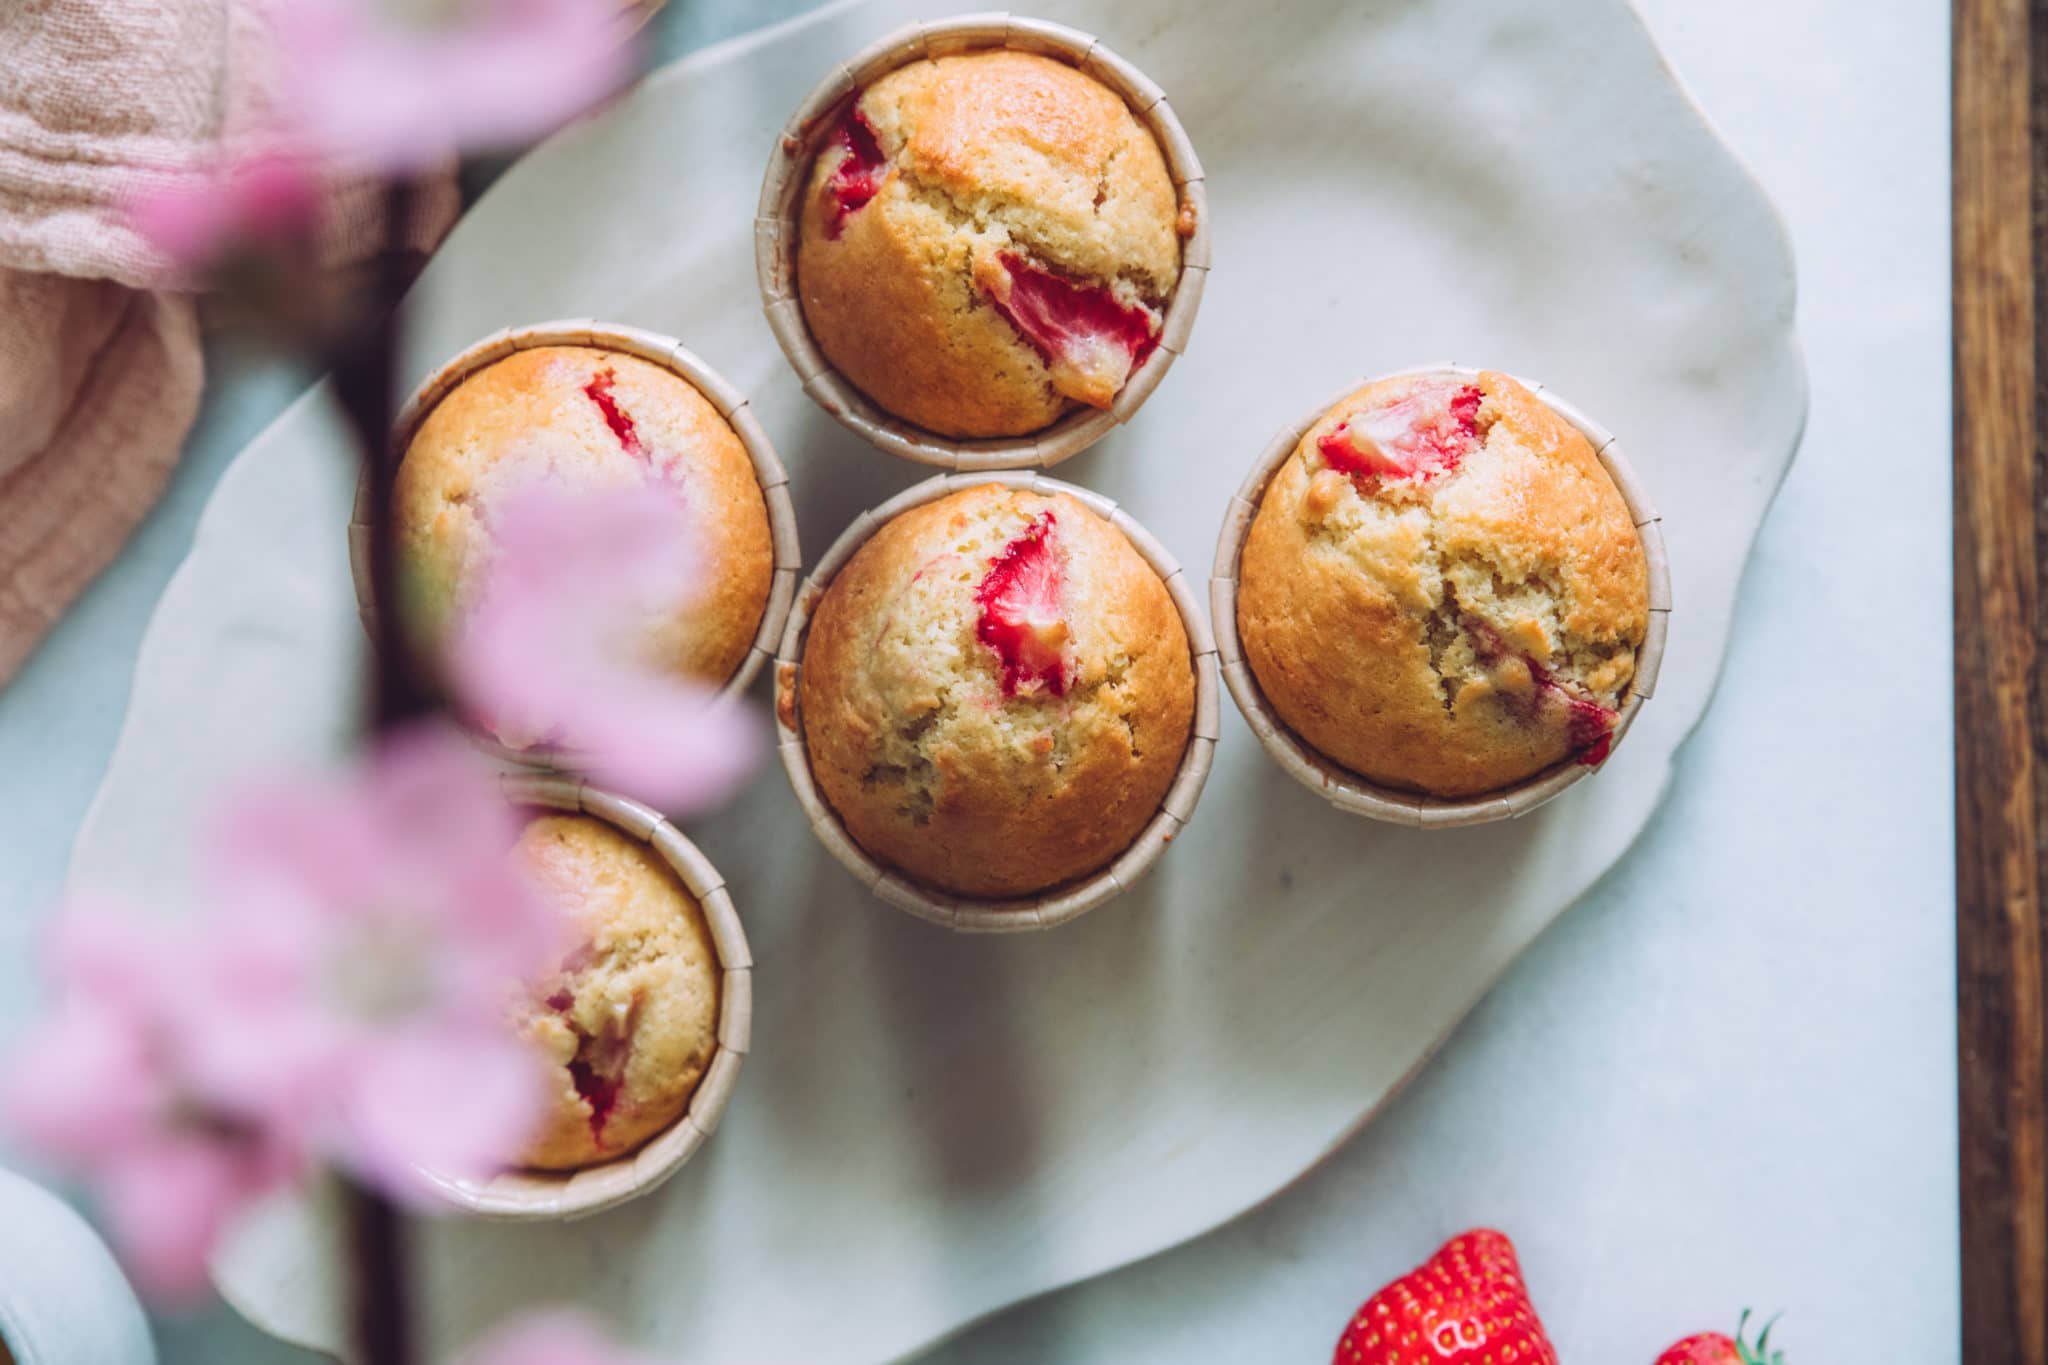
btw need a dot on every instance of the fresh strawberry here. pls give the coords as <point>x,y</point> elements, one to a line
<point>1718,1348</point>
<point>1021,616</point>
<point>1418,436</point>
<point>861,170</point>
<point>1466,1305</point>
<point>1090,340</point>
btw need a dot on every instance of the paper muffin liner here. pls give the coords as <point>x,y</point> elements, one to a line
<point>776,225</point>
<point>668,353</point>
<point>1351,791</point>
<point>532,1195</point>
<point>1058,904</point>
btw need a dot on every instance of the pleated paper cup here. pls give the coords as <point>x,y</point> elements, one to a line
<point>1058,904</point>
<point>671,355</point>
<point>531,1195</point>
<point>777,221</point>
<point>1351,791</point>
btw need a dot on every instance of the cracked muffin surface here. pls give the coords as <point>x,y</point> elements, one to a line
<point>987,240</point>
<point>1443,590</point>
<point>594,419</point>
<point>629,1023</point>
<point>996,692</point>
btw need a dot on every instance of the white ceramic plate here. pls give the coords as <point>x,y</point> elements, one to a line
<point>935,1126</point>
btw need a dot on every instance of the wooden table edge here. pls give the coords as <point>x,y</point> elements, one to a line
<point>2000,98</point>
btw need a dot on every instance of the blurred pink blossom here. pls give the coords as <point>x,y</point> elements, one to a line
<point>554,1338</point>
<point>351,986</point>
<point>553,650</point>
<point>100,1090</point>
<point>199,221</point>
<point>363,88</point>
<point>343,994</point>
<point>361,85</point>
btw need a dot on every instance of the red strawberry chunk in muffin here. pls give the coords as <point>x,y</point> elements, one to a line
<point>861,170</point>
<point>1089,339</point>
<point>600,1092</point>
<point>599,391</point>
<point>1590,730</point>
<point>1416,437</point>
<point>1589,726</point>
<point>599,1068</point>
<point>1022,619</point>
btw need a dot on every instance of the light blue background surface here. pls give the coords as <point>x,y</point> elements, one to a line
<point>1763,987</point>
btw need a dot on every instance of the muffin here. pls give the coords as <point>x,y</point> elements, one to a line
<point>987,240</point>
<point>630,1022</point>
<point>996,692</point>
<point>1443,590</point>
<point>597,419</point>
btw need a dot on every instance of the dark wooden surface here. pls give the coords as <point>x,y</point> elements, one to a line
<point>2001,528</point>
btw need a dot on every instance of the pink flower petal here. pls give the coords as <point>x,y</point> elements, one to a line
<point>198,220</point>
<point>550,648</point>
<point>81,1088</point>
<point>363,924</point>
<point>681,748</point>
<point>560,1337</point>
<point>167,1203</point>
<point>460,1104</point>
<point>373,95</point>
<point>95,1074</point>
<point>112,952</point>
<point>100,1091</point>
<point>344,992</point>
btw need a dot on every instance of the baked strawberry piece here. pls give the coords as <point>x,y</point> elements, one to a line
<point>1536,696</point>
<point>856,177</point>
<point>1419,435</point>
<point>1022,617</point>
<point>1089,339</point>
<point>600,391</point>
<point>598,1071</point>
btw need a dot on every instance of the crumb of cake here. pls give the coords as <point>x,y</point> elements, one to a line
<point>1022,618</point>
<point>861,169</point>
<point>1090,341</point>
